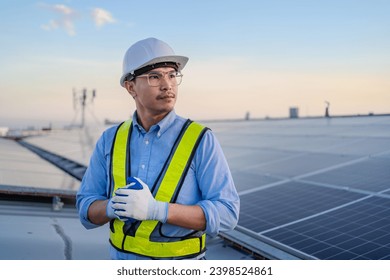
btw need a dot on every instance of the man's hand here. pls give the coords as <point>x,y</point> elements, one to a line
<point>135,201</point>
<point>110,212</point>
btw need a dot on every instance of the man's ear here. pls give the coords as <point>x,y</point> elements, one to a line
<point>130,88</point>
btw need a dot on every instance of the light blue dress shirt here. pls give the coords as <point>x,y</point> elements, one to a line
<point>208,183</point>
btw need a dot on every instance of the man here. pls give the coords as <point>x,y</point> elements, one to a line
<point>161,181</point>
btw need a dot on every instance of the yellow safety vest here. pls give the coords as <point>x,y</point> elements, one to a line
<point>139,242</point>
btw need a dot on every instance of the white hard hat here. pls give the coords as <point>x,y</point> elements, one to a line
<point>149,52</point>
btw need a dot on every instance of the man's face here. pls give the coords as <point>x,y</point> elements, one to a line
<point>155,100</point>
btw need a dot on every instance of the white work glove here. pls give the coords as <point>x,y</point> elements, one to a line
<point>110,211</point>
<point>136,201</point>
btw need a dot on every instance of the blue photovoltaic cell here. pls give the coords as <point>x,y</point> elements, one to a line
<point>246,159</point>
<point>357,231</point>
<point>303,164</point>
<point>278,205</point>
<point>245,180</point>
<point>370,175</point>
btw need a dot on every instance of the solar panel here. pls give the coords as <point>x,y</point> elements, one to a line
<point>19,167</point>
<point>362,147</point>
<point>371,175</point>
<point>245,158</point>
<point>245,180</point>
<point>275,206</point>
<point>302,164</point>
<point>357,231</point>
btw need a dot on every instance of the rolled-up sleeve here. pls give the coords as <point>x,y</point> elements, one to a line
<point>220,201</point>
<point>95,182</point>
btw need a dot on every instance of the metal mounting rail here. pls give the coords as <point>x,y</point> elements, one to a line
<point>260,246</point>
<point>71,167</point>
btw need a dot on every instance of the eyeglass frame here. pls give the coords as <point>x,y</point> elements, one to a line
<point>161,75</point>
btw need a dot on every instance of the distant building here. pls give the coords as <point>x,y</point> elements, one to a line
<point>294,112</point>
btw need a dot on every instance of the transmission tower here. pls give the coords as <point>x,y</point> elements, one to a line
<point>81,99</point>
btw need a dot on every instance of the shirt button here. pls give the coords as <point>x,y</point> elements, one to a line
<point>146,142</point>
<point>143,166</point>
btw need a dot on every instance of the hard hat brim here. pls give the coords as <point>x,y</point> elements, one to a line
<point>181,61</point>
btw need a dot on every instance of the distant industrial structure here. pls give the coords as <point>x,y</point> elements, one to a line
<point>327,109</point>
<point>80,101</point>
<point>294,112</point>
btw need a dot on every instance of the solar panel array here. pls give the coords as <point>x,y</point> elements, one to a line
<point>320,187</point>
<point>19,167</point>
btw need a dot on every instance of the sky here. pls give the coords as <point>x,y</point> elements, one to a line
<point>259,57</point>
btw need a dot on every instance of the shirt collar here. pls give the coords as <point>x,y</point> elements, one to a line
<point>160,127</point>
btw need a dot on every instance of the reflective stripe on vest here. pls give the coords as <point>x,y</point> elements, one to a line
<point>140,243</point>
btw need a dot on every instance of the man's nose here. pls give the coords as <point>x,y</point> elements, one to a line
<point>165,82</point>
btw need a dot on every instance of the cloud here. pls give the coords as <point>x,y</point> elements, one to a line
<point>67,16</point>
<point>50,26</point>
<point>65,19</point>
<point>102,17</point>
